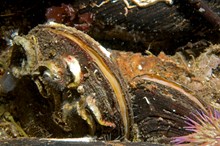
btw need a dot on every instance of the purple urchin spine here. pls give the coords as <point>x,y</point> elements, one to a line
<point>205,129</point>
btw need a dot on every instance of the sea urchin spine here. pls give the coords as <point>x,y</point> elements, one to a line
<point>205,129</point>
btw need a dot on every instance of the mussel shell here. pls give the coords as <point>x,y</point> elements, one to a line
<point>99,78</point>
<point>160,26</point>
<point>160,108</point>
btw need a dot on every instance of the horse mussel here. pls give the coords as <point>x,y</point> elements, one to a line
<point>68,85</point>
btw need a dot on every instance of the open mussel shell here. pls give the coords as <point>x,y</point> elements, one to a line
<point>76,76</point>
<point>160,108</point>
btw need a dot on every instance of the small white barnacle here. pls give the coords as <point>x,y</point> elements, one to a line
<point>75,69</point>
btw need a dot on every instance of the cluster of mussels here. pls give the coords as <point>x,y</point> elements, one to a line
<point>67,85</point>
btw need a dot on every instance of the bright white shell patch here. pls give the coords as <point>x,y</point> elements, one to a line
<point>106,52</point>
<point>74,67</point>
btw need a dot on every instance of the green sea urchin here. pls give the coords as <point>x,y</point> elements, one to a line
<point>205,129</point>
